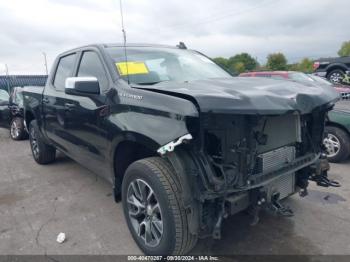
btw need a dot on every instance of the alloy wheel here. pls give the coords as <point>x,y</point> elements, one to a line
<point>34,143</point>
<point>14,129</point>
<point>145,212</point>
<point>336,77</point>
<point>332,144</point>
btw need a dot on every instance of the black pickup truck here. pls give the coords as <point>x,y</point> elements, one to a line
<point>183,143</point>
<point>334,69</point>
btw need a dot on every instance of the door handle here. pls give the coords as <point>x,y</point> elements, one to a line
<point>69,106</point>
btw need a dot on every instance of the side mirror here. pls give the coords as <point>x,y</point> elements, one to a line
<point>86,85</point>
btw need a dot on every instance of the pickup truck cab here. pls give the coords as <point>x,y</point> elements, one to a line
<point>183,143</point>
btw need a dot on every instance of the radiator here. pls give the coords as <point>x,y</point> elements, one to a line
<point>284,185</point>
<point>274,159</point>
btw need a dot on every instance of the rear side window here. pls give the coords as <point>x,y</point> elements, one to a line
<point>64,70</point>
<point>91,65</point>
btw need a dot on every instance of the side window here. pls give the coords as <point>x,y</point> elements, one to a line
<point>64,70</point>
<point>90,65</point>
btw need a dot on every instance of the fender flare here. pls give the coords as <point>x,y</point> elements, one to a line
<point>127,136</point>
<point>334,66</point>
<point>184,169</point>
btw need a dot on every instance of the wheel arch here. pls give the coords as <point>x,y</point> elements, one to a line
<point>334,67</point>
<point>126,149</point>
<point>334,124</point>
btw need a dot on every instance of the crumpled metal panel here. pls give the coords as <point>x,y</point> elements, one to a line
<point>250,95</point>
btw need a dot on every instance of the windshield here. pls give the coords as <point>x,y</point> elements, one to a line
<point>301,77</point>
<point>151,65</point>
<point>4,96</point>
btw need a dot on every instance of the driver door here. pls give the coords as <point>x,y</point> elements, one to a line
<point>85,116</point>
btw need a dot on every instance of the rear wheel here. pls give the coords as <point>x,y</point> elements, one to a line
<point>17,130</point>
<point>42,152</point>
<point>154,210</point>
<point>337,144</point>
<point>336,76</point>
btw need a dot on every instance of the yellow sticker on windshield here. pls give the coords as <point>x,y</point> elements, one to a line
<point>131,68</point>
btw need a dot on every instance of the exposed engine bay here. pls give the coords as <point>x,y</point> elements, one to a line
<point>253,162</point>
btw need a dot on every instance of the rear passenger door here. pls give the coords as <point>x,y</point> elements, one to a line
<point>85,115</point>
<point>54,102</point>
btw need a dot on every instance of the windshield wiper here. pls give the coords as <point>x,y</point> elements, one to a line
<point>151,83</point>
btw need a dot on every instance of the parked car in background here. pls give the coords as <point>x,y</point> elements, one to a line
<point>12,112</point>
<point>16,117</point>
<point>299,77</point>
<point>295,76</point>
<point>333,69</point>
<point>337,138</point>
<point>4,110</point>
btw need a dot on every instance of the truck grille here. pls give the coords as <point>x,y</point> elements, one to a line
<point>274,159</point>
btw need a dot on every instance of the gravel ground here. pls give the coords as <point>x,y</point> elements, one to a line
<point>38,202</point>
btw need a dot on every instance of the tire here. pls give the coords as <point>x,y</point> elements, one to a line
<point>337,143</point>
<point>17,130</point>
<point>42,152</point>
<point>335,76</point>
<point>156,175</point>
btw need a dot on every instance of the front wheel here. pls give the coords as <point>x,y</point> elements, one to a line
<point>42,152</point>
<point>337,144</point>
<point>154,210</point>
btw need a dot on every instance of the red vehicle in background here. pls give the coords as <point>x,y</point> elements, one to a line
<point>299,77</point>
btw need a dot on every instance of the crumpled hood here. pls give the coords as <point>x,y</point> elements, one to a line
<point>250,95</point>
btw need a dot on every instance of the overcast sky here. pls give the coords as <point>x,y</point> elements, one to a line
<point>298,28</point>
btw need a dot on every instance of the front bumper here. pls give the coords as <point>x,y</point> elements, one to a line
<point>265,178</point>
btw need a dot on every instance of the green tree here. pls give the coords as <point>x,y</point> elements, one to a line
<point>345,49</point>
<point>306,66</point>
<point>238,67</point>
<point>293,67</point>
<point>221,61</point>
<point>249,63</point>
<point>276,61</point>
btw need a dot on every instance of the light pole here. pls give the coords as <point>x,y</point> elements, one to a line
<point>7,78</point>
<point>45,63</point>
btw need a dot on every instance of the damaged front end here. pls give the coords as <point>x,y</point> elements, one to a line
<point>251,146</point>
<point>239,162</point>
<point>254,161</point>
